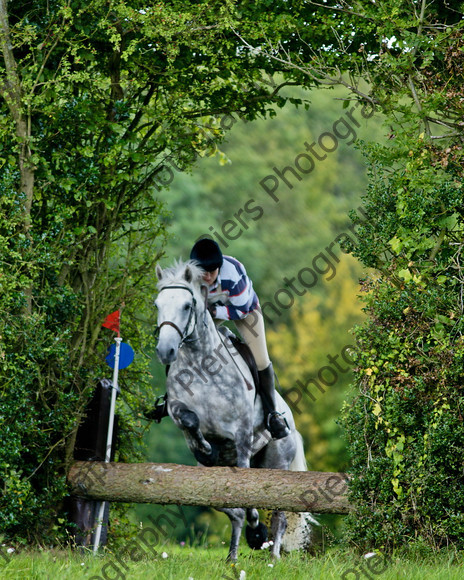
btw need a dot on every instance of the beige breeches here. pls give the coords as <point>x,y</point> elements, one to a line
<point>251,329</point>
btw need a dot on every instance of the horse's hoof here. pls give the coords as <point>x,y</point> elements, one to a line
<point>208,460</point>
<point>207,449</point>
<point>256,537</point>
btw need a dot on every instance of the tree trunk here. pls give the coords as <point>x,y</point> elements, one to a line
<point>164,483</point>
<point>11,91</point>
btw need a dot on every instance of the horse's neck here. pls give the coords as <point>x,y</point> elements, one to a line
<point>207,333</point>
<point>205,341</point>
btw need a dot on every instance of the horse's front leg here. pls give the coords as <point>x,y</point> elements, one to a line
<point>237,519</point>
<point>188,421</point>
<point>244,445</point>
<point>243,449</point>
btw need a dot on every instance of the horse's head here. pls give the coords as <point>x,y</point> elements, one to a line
<point>178,303</point>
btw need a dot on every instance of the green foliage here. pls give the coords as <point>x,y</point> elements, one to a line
<point>405,426</point>
<point>98,105</point>
<point>287,235</point>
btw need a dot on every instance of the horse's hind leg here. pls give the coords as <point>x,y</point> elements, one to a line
<point>256,532</point>
<point>237,519</point>
<point>278,527</point>
<point>252,517</point>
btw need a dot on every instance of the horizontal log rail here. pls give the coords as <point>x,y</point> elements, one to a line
<point>167,483</point>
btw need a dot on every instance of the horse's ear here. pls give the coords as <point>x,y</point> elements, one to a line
<point>159,272</point>
<point>188,274</point>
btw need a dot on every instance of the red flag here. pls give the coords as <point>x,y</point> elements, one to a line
<point>112,321</point>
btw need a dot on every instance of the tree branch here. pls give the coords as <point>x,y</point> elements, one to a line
<point>318,76</point>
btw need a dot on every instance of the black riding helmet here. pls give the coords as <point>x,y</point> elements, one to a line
<point>208,254</point>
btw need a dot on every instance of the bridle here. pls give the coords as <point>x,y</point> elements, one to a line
<point>185,335</point>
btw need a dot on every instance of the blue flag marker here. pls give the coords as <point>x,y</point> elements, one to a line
<point>126,355</point>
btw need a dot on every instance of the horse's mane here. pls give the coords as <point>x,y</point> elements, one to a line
<point>175,274</point>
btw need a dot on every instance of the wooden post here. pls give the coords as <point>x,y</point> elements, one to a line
<point>91,445</point>
<point>165,483</point>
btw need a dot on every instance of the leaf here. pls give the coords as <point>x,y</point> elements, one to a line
<point>396,244</point>
<point>405,274</point>
<point>450,221</point>
<point>444,319</point>
<point>396,487</point>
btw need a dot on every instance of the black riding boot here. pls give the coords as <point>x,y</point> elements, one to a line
<point>159,411</point>
<point>275,422</point>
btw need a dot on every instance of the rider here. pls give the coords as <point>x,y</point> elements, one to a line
<point>227,278</point>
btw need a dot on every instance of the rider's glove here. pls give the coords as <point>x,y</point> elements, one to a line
<point>212,310</point>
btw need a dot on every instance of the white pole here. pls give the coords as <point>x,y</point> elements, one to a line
<point>109,439</point>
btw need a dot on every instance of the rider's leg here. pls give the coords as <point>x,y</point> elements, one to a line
<point>253,333</point>
<point>275,422</point>
<point>159,411</point>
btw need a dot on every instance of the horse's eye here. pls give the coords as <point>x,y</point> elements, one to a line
<point>187,307</point>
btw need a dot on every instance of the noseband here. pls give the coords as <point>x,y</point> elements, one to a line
<point>193,312</point>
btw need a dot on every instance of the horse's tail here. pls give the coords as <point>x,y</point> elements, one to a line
<point>299,533</point>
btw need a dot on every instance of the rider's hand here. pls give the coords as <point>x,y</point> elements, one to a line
<point>212,310</point>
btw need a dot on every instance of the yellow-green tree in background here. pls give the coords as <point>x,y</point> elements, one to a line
<point>310,350</point>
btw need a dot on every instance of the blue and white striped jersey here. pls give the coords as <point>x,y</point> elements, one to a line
<point>234,290</point>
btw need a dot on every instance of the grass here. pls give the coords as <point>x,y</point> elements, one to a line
<point>183,563</point>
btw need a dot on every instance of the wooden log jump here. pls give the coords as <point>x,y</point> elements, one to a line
<point>167,483</point>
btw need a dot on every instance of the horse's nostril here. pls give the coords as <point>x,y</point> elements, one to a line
<point>166,355</point>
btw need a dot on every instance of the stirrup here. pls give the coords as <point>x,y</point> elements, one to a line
<point>280,430</point>
<point>159,411</point>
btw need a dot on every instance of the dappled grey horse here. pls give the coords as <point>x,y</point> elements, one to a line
<point>211,398</point>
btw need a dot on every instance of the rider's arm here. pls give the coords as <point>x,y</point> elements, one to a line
<point>242,298</point>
